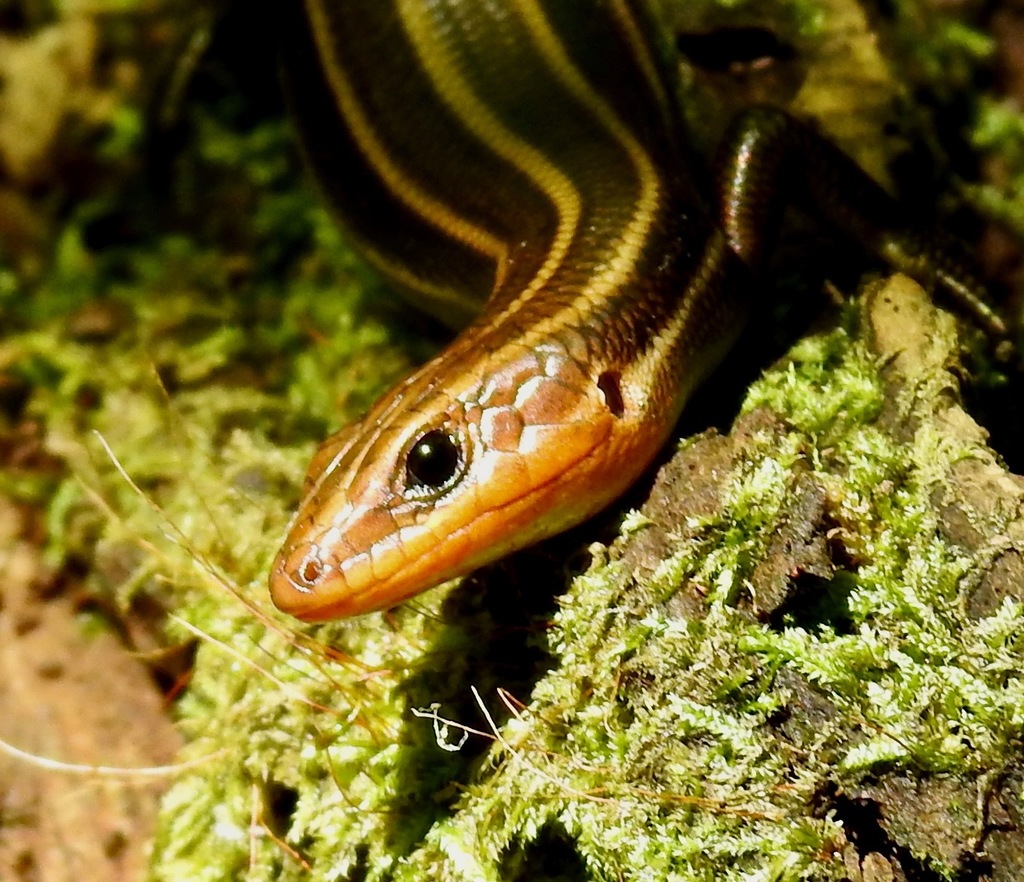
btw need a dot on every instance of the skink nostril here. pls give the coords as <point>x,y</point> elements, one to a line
<point>310,572</point>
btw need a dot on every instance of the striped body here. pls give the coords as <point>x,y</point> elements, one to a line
<point>518,165</point>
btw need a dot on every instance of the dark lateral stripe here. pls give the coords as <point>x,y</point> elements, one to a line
<point>451,277</point>
<point>620,53</point>
<point>506,69</point>
<point>419,136</point>
<point>615,181</point>
<point>364,45</point>
<point>519,143</point>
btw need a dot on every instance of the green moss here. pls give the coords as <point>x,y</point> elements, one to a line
<point>999,135</point>
<point>683,776</point>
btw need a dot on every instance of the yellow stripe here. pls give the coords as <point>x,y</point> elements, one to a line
<point>635,233</point>
<point>457,93</point>
<point>663,350</point>
<point>469,302</point>
<point>403,187</point>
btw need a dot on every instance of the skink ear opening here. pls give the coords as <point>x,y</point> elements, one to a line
<point>609,384</point>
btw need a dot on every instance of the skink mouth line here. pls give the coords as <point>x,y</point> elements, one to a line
<point>307,590</point>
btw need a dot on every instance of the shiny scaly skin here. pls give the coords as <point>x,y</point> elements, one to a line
<point>520,165</point>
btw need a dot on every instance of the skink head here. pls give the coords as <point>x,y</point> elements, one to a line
<point>451,470</point>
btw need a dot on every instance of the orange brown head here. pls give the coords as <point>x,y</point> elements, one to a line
<point>454,469</point>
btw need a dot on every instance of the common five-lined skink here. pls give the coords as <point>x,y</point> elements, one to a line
<point>522,165</point>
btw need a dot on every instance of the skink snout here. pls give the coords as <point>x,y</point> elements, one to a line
<point>298,577</point>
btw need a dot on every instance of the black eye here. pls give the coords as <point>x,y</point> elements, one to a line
<point>434,460</point>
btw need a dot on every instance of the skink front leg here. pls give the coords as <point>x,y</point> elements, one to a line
<point>768,155</point>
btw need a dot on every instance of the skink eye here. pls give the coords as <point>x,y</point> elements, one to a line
<point>434,461</point>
